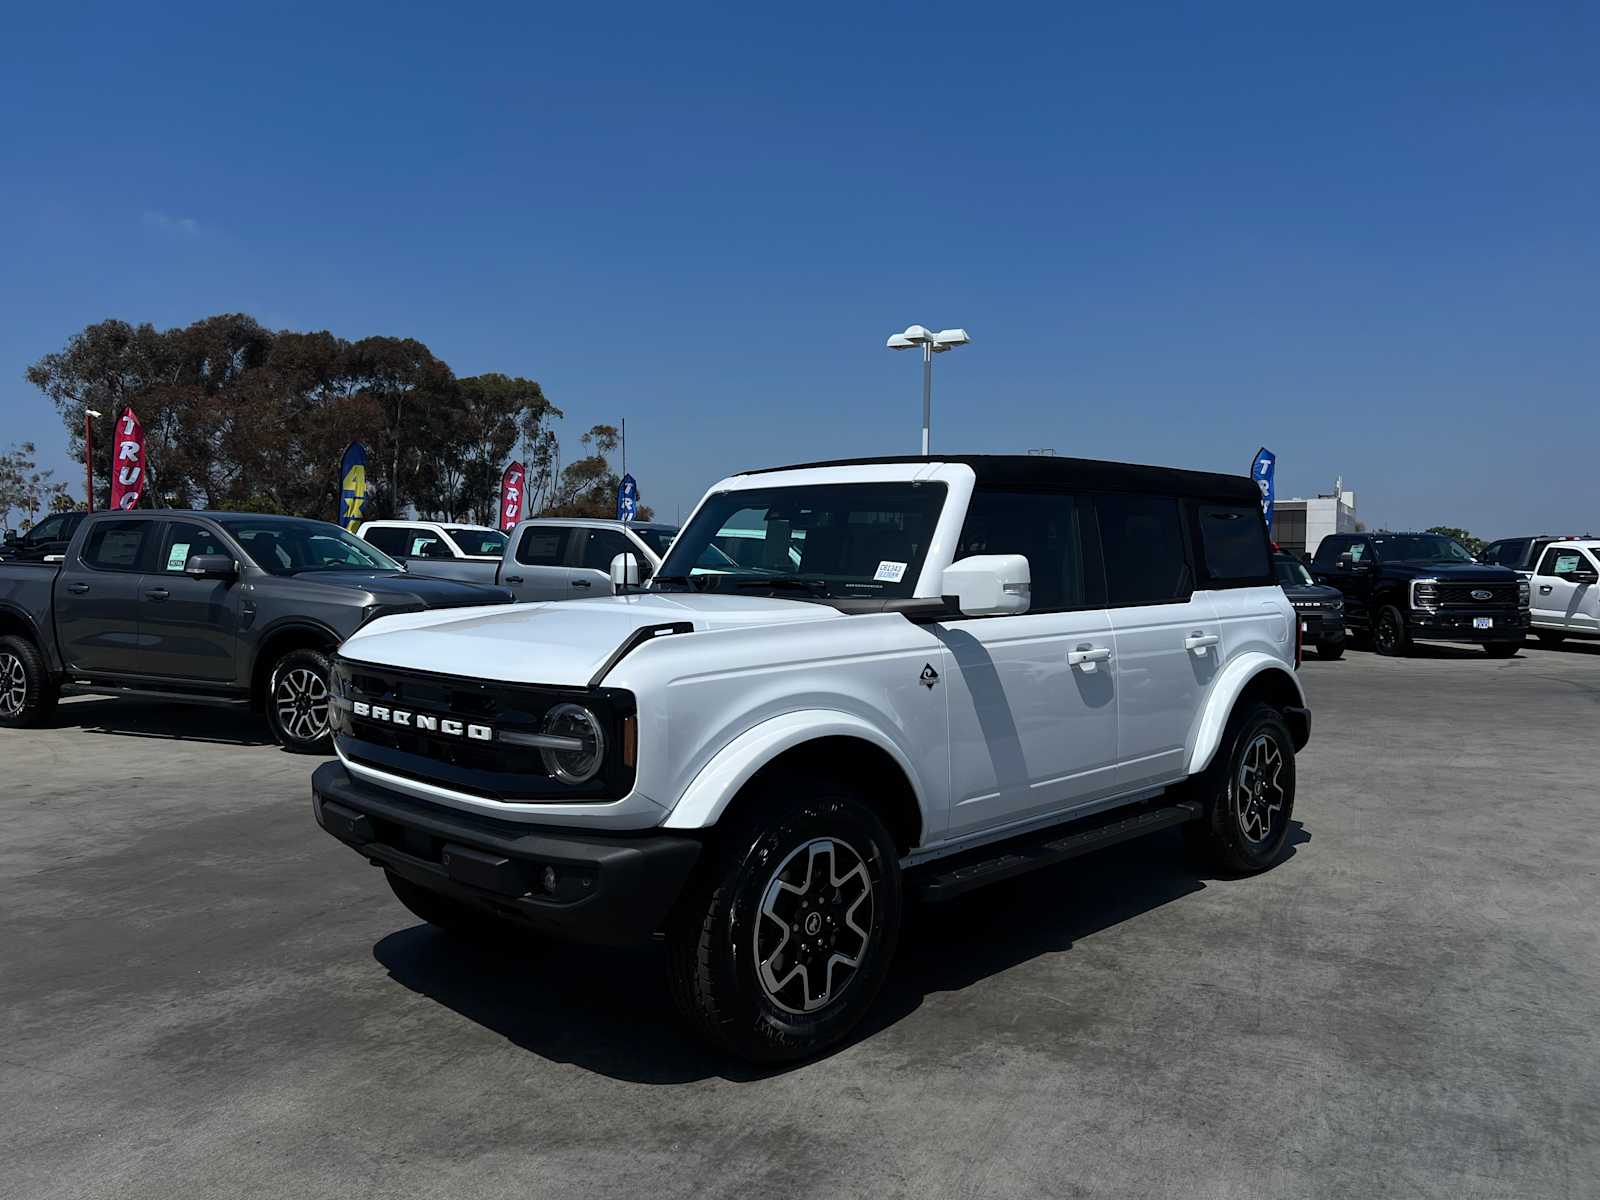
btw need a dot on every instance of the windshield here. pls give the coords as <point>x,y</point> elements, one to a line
<point>657,539</point>
<point>1291,572</point>
<point>282,547</point>
<point>478,543</point>
<point>825,540</point>
<point>1420,547</point>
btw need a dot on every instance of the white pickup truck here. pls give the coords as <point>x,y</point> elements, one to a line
<point>1564,591</point>
<point>937,673</point>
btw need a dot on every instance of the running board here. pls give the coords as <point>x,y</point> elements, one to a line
<point>139,693</point>
<point>994,863</point>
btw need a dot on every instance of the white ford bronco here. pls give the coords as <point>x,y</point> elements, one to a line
<point>936,673</point>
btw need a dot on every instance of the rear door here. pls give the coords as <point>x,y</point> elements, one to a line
<point>189,628</point>
<point>98,595</point>
<point>536,563</point>
<point>1166,635</point>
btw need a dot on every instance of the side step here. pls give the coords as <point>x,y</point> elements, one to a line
<point>139,693</point>
<point>994,863</point>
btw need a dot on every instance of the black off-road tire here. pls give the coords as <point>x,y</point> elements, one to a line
<point>462,921</point>
<point>300,674</point>
<point>1501,649</point>
<point>1389,636</point>
<point>28,693</point>
<point>729,917</point>
<point>1225,836</point>
<point>1549,637</point>
<point>1330,650</point>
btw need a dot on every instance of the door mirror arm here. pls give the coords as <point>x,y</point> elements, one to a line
<point>211,566</point>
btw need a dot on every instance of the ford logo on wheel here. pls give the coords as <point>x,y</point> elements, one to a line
<point>1480,594</point>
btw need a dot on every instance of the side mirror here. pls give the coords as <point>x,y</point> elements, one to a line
<point>1581,577</point>
<point>11,537</point>
<point>624,572</point>
<point>211,566</point>
<point>989,585</point>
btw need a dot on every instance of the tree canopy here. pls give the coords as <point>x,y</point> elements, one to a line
<point>26,490</point>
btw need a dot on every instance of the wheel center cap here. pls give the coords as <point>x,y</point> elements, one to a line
<point>813,923</point>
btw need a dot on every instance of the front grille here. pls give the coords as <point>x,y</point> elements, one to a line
<point>453,732</point>
<point>1460,595</point>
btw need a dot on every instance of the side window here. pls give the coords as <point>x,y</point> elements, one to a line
<point>1497,554</point>
<point>1567,562</point>
<point>1143,543</point>
<point>1329,550</point>
<point>427,544</point>
<point>117,545</point>
<point>1356,553</point>
<point>1046,529</point>
<point>1233,543</point>
<point>184,540</point>
<point>391,539</point>
<point>541,547</point>
<point>1547,565</point>
<point>600,546</point>
<point>47,530</point>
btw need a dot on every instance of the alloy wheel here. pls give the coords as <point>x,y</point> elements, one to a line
<point>301,700</point>
<point>13,685</point>
<point>1259,795</point>
<point>1388,636</point>
<point>815,925</point>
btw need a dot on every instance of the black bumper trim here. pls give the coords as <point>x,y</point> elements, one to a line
<point>610,888</point>
<point>1455,625</point>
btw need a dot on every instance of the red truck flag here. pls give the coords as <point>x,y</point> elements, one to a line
<point>511,497</point>
<point>128,473</point>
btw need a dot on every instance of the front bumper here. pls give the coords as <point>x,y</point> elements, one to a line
<point>1456,625</point>
<point>610,889</point>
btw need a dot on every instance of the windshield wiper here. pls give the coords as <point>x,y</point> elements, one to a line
<point>814,587</point>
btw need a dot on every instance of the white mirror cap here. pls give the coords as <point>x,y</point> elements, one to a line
<point>949,339</point>
<point>989,585</point>
<point>625,571</point>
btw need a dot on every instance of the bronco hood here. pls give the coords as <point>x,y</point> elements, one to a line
<point>562,643</point>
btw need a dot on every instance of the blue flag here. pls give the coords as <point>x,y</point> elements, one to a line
<point>1261,470</point>
<point>627,499</point>
<point>353,486</point>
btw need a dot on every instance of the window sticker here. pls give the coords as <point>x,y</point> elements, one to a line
<point>417,545</point>
<point>1566,564</point>
<point>178,556</point>
<point>889,572</point>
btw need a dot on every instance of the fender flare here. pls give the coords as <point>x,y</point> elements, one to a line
<point>1236,676</point>
<point>710,792</point>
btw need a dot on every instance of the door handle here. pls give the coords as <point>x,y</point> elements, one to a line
<point>1087,656</point>
<point>581,583</point>
<point>158,593</point>
<point>1198,642</point>
<point>513,578</point>
<point>1545,589</point>
<point>77,589</point>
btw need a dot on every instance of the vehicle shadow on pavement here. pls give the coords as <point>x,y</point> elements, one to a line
<point>608,1010</point>
<point>159,719</point>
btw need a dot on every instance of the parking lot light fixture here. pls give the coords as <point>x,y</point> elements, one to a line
<point>931,343</point>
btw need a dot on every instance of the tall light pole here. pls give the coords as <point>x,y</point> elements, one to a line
<point>931,343</point>
<point>89,415</point>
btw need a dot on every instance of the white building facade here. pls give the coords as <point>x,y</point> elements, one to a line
<point>1299,525</point>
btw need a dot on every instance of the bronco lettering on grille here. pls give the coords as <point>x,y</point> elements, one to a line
<point>422,721</point>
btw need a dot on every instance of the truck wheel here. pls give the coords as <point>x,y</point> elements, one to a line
<point>785,937</point>
<point>297,701</point>
<point>1248,793</point>
<point>1389,637</point>
<point>27,692</point>
<point>1330,650</point>
<point>1502,649</point>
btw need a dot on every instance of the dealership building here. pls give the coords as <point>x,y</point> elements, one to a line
<point>1300,525</point>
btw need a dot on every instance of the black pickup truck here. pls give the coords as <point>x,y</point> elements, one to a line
<point>211,607</point>
<point>1401,588</point>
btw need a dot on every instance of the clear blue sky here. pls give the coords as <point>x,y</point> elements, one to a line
<point>1368,237</point>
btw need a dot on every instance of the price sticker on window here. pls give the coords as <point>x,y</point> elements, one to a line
<point>178,556</point>
<point>890,572</point>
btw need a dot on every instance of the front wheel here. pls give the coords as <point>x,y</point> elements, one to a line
<point>1389,636</point>
<point>782,943</point>
<point>298,701</point>
<point>1248,793</point>
<point>27,692</point>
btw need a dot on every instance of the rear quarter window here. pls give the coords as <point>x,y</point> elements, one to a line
<point>541,547</point>
<point>1233,544</point>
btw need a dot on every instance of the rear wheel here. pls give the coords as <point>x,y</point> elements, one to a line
<point>27,692</point>
<point>1248,793</point>
<point>298,701</point>
<point>1389,636</point>
<point>782,943</point>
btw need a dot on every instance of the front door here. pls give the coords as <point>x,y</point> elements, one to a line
<point>536,567</point>
<point>189,628</point>
<point>97,596</point>
<point>1561,594</point>
<point>1167,636</point>
<point>1032,698</point>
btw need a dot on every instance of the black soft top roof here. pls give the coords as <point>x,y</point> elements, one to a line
<point>1088,474</point>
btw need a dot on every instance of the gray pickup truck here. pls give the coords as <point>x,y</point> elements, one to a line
<point>208,607</point>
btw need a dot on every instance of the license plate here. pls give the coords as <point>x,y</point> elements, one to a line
<point>1483,622</point>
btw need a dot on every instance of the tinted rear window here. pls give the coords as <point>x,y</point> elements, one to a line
<point>1233,541</point>
<point>541,547</point>
<point>1142,540</point>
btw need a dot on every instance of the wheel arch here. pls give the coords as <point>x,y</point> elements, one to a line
<point>15,622</point>
<point>277,641</point>
<point>795,741</point>
<point>1255,677</point>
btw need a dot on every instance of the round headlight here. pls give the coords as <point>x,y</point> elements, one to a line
<point>581,763</point>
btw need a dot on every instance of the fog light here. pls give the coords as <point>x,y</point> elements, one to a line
<point>549,879</point>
